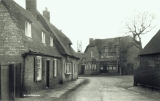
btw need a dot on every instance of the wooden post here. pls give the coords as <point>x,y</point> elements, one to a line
<point>11,82</point>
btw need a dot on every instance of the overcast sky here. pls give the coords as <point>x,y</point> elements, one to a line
<point>84,19</point>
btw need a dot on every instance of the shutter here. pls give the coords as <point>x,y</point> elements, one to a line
<point>43,68</point>
<point>72,68</point>
<point>53,67</point>
<point>65,68</point>
<point>35,69</point>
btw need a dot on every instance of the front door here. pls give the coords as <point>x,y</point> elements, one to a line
<point>82,69</point>
<point>103,67</point>
<point>47,74</point>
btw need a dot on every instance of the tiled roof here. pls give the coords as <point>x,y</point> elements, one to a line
<point>34,44</point>
<point>153,46</point>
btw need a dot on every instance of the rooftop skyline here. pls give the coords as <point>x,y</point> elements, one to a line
<point>99,19</point>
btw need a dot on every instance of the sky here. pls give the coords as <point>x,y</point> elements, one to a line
<point>98,19</point>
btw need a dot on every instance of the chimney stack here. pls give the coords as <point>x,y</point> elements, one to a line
<point>91,40</point>
<point>31,6</point>
<point>46,14</point>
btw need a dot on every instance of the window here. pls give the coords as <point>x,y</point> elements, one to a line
<point>114,68</point>
<point>117,48</point>
<point>68,68</point>
<point>43,37</point>
<point>55,64</point>
<point>28,29</point>
<point>51,41</point>
<point>110,67</point>
<point>101,55</point>
<point>38,68</point>
<point>91,53</point>
<point>90,66</point>
<point>86,67</point>
<point>93,66</point>
<point>106,49</point>
<point>101,68</point>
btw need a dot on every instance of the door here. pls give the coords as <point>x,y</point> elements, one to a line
<point>82,69</point>
<point>47,74</point>
<point>7,82</point>
<point>103,67</point>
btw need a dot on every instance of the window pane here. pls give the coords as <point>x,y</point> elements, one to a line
<point>114,68</point>
<point>110,68</point>
<point>101,68</point>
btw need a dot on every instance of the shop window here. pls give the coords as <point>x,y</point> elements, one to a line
<point>114,68</point>
<point>93,66</point>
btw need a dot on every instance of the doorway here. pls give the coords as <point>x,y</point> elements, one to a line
<point>103,67</point>
<point>47,74</point>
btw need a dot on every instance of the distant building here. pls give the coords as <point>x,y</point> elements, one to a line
<point>110,56</point>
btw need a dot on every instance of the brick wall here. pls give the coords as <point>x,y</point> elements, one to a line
<point>30,85</point>
<point>74,74</point>
<point>11,44</point>
<point>148,72</point>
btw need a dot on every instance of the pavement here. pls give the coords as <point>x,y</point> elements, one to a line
<point>52,93</point>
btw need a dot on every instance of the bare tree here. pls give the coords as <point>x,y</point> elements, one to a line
<point>138,25</point>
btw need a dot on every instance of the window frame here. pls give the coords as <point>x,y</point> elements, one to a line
<point>28,29</point>
<point>43,38</point>
<point>51,41</point>
<point>68,67</point>
<point>91,52</point>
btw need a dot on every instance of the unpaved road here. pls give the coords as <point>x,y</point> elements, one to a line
<point>110,88</point>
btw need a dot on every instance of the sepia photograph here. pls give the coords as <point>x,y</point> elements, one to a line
<point>79,50</point>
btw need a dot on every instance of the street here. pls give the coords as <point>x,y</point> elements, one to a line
<point>110,88</point>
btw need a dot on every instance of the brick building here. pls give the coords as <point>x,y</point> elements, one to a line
<point>148,71</point>
<point>45,53</point>
<point>110,56</point>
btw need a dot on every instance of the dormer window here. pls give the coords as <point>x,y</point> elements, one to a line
<point>28,29</point>
<point>43,37</point>
<point>51,41</point>
<point>117,48</point>
<point>105,49</point>
<point>91,53</point>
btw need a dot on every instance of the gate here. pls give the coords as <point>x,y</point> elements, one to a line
<point>8,75</point>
